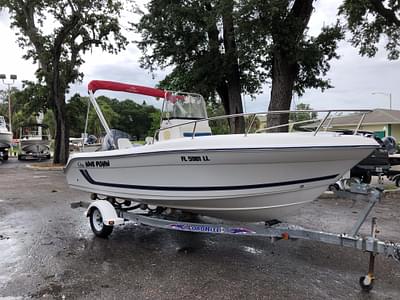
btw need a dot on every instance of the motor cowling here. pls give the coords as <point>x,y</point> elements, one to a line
<point>390,144</point>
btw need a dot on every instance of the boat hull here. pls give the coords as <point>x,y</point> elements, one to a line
<point>242,184</point>
<point>5,139</point>
<point>35,148</point>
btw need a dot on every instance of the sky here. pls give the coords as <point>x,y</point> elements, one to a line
<point>359,82</point>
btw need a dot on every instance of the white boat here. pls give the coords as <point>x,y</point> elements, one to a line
<point>34,142</point>
<point>241,177</point>
<point>5,139</point>
<point>5,134</point>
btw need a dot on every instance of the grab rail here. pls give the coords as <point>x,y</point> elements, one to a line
<point>363,113</point>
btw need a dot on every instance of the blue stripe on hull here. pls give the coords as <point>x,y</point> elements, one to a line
<point>87,176</point>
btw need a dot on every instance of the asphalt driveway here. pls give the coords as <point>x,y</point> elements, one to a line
<point>47,250</point>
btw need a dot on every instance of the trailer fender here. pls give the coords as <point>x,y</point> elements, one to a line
<point>108,212</point>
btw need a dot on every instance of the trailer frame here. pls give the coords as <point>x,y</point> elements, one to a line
<point>106,213</point>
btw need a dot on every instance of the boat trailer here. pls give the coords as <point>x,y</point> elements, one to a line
<point>106,213</point>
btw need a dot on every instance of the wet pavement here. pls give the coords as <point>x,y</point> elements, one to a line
<point>48,251</point>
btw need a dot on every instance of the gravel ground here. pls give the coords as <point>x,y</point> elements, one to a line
<point>47,250</point>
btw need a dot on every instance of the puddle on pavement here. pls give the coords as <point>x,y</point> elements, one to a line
<point>252,250</point>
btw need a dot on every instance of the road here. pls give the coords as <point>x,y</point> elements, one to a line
<point>48,251</point>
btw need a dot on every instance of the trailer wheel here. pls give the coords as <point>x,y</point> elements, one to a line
<point>397,181</point>
<point>97,225</point>
<point>334,187</point>
<point>366,283</point>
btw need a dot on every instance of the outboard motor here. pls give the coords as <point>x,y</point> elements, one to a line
<point>91,139</point>
<point>110,141</point>
<point>390,144</point>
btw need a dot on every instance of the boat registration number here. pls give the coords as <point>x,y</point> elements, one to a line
<point>194,158</point>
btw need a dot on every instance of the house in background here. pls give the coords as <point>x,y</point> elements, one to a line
<point>383,122</point>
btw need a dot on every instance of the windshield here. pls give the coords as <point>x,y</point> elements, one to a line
<point>184,106</point>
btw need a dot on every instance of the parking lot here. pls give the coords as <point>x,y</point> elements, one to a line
<point>47,250</point>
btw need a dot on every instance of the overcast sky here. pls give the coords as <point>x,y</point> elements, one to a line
<point>354,78</point>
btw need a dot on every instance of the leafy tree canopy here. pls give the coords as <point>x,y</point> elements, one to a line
<point>137,120</point>
<point>55,34</point>
<point>370,21</point>
<point>32,99</point>
<point>268,26</point>
<point>188,35</point>
<point>303,116</point>
<point>180,34</point>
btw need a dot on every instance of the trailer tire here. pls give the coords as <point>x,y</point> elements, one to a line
<point>366,287</point>
<point>397,181</point>
<point>97,225</point>
<point>334,187</point>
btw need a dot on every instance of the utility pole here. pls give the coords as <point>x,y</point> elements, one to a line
<point>386,94</point>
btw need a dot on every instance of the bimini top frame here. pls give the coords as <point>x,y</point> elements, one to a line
<point>96,85</point>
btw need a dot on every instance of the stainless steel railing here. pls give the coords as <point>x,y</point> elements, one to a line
<point>362,114</point>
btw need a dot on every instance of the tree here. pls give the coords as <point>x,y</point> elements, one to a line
<point>77,26</point>
<point>218,126</point>
<point>233,47</point>
<point>302,116</point>
<point>128,116</point>
<point>371,20</point>
<point>277,31</point>
<point>4,97</point>
<point>27,103</point>
<point>198,39</point>
<point>76,114</point>
<point>94,124</point>
<point>31,99</point>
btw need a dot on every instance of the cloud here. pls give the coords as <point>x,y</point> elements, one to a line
<point>11,61</point>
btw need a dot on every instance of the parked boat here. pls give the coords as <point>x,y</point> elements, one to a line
<point>34,142</point>
<point>241,177</point>
<point>5,139</point>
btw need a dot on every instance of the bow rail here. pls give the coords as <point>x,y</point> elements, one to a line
<point>329,116</point>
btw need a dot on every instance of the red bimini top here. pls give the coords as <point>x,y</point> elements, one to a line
<point>95,85</point>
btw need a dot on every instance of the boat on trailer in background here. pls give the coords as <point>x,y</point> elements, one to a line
<point>5,139</point>
<point>34,142</point>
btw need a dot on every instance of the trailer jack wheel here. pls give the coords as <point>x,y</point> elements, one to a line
<point>97,225</point>
<point>367,283</point>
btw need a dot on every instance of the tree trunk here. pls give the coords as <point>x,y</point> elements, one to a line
<point>61,147</point>
<point>232,71</point>
<point>283,77</point>
<point>222,90</point>
<point>285,67</point>
<point>61,141</point>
